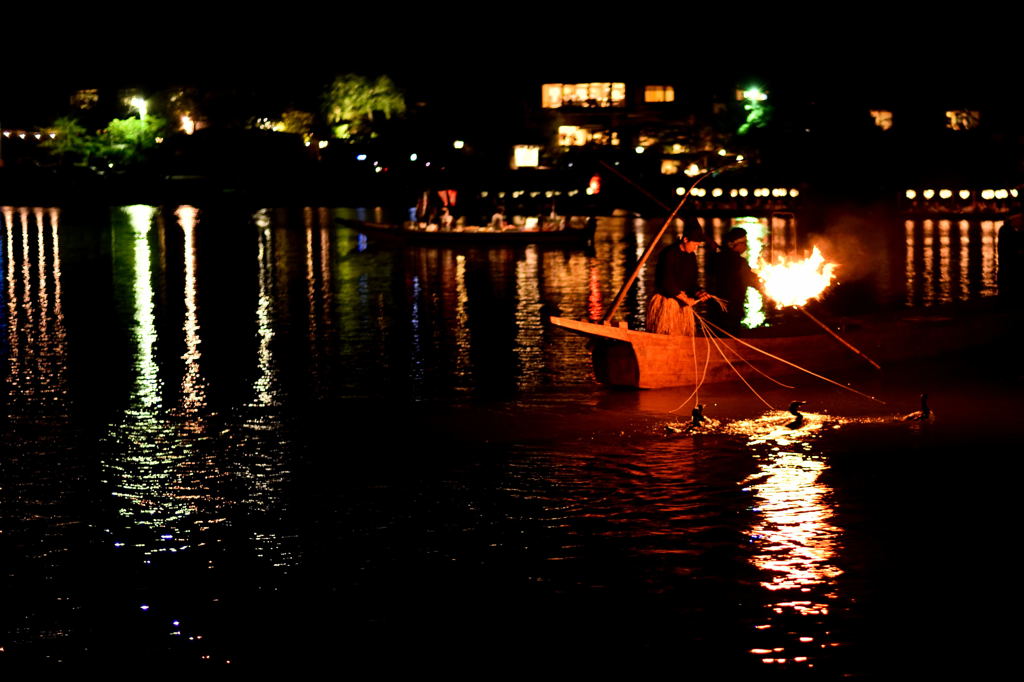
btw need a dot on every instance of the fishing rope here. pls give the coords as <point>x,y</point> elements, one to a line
<point>748,364</point>
<point>736,371</point>
<point>697,384</point>
<point>787,362</point>
<point>693,347</point>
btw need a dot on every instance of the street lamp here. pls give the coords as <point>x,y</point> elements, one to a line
<point>139,104</point>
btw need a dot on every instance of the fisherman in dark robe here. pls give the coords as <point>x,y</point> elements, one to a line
<point>670,309</point>
<point>732,276</point>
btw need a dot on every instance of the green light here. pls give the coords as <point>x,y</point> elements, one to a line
<point>754,94</point>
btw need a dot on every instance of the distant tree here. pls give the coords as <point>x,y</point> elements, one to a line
<point>126,140</point>
<point>71,142</point>
<point>297,122</point>
<point>352,103</point>
<point>123,142</point>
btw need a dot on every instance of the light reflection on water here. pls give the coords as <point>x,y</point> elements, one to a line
<point>937,273</point>
<point>245,339</point>
<point>795,542</point>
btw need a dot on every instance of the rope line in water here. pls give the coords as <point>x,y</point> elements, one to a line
<point>697,384</point>
<point>787,362</point>
<point>736,371</point>
<point>748,364</point>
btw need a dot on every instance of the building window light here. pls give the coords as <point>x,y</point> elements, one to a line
<point>597,94</point>
<point>962,119</point>
<point>526,156</point>
<point>659,93</point>
<point>883,118</point>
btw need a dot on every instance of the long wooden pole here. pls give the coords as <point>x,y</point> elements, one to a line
<point>784,361</point>
<point>650,247</point>
<point>839,338</point>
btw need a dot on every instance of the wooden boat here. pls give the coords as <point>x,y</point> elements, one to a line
<point>627,358</point>
<point>473,236</point>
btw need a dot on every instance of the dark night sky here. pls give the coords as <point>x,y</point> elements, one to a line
<point>968,56</point>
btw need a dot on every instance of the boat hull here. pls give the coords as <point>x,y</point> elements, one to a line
<point>471,238</point>
<point>626,358</point>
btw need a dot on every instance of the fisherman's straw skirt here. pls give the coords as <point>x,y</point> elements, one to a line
<point>669,316</point>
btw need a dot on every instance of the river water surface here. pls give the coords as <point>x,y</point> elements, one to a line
<point>254,438</point>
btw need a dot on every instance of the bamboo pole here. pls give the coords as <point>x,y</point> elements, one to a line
<point>839,338</point>
<point>654,243</point>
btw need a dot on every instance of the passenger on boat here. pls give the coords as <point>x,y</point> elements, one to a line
<point>670,310</point>
<point>498,219</point>
<point>447,219</point>
<point>731,275</point>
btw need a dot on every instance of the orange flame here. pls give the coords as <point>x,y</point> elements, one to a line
<point>795,282</point>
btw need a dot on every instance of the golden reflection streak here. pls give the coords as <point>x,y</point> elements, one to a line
<point>796,543</point>
<point>312,319</point>
<point>463,363</point>
<point>26,279</point>
<point>908,228</point>
<point>35,351</point>
<point>193,388</point>
<point>529,344</point>
<point>965,259</point>
<point>989,264</point>
<point>945,278</point>
<point>928,252</point>
<point>307,223</point>
<point>12,302</point>
<point>44,294</point>
<point>325,268</point>
<point>59,348</point>
<point>641,279</point>
<point>595,304</point>
<point>58,309</point>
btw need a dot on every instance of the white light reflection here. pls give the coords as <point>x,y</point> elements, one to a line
<point>147,453</point>
<point>265,388</point>
<point>259,447</point>
<point>193,387</point>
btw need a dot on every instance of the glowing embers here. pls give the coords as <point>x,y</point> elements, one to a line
<point>795,282</point>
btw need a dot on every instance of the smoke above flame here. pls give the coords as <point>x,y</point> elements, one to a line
<point>795,282</point>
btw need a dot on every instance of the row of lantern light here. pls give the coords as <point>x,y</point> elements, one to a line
<point>515,194</point>
<point>23,135</point>
<point>741,192</point>
<point>965,194</point>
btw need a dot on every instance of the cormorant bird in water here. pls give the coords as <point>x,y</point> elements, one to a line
<point>697,415</point>
<point>698,423</point>
<point>794,409</point>
<point>923,415</point>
